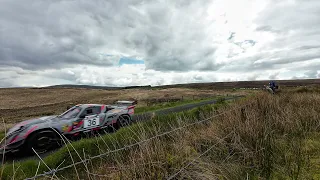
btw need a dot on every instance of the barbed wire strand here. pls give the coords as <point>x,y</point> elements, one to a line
<point>131,145</point>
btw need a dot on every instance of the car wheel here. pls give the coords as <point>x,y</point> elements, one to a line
<point>123,120</point>
<point>42,141</point>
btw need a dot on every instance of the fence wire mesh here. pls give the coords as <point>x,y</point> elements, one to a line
<point>53,171</point>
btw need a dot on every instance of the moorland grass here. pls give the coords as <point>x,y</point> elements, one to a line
<point>272,137</point>
<point>261,137</point>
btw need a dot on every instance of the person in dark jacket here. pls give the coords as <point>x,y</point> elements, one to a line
<point>272,85</point>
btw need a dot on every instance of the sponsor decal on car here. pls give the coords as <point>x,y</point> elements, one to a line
<point>66,128</point>
<point>77,124</point>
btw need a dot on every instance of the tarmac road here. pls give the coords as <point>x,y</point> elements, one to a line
<point>138,117</point>
<point>145,116</point>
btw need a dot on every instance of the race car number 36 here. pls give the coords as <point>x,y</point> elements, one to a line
<point>90,122</point>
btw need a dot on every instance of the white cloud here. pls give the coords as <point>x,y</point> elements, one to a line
<point>131,75</point>
<point>56,42</point>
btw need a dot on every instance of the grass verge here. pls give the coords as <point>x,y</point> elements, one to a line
<point>272,137</point>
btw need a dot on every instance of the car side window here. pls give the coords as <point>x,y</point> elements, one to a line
<point>89,111</point>
<point>96,110</point>
<point>92,110</point>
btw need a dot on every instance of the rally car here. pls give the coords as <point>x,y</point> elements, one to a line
<point>44,133</point>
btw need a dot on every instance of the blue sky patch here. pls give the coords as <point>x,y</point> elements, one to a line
<point>130,61</point>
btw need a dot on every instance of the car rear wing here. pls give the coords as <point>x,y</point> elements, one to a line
<point>129,105</point>
<point>126,103</point>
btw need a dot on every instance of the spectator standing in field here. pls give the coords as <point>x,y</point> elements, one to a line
<point>272,85</point>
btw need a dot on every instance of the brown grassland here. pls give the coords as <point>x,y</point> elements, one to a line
<point>260,137</point>
<point>23,103</point>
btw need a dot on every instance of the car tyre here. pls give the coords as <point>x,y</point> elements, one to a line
<point>123,120</point>
<point>42,141</point>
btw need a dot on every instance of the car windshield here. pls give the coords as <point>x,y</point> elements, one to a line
<point>71,113</point>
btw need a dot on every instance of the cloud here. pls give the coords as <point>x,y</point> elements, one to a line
<point>60,33</point>
<point>129,75</point>
<point>274,76</point>
<point>66,41</point>
<point>172,36</point>
<point>311,74</point>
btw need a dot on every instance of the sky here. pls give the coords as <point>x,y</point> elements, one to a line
<point>157,42</point>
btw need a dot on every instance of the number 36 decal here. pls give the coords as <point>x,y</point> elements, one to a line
<point>91,122</point>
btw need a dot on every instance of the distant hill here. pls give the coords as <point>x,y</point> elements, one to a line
<point>209,85</point>
<point>94,87</point>
<point>246,84</point>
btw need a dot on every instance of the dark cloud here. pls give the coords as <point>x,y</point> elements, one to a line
<point>311,74</point>
<point>232,34</point>
<point>67,33</point>
<point>274,76</point>
<point>58,33</point>
<point>267,29</point>
<point>309,47</point>
<point>311,66</point>
<point>253,77</point>
<point>198,78</point>
<point>282,59</point>
<point>286,16</point>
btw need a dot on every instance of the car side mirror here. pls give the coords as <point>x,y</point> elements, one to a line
<point>82,116</point>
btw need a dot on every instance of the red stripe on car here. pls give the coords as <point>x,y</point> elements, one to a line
<point>14,139</point>
<point>131,109</point>
<point>80,123</point>
<point>94,129</point>
<point>69,129</point>
<point>30,131</point>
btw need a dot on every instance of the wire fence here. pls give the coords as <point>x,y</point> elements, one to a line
<point>55,170</point>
